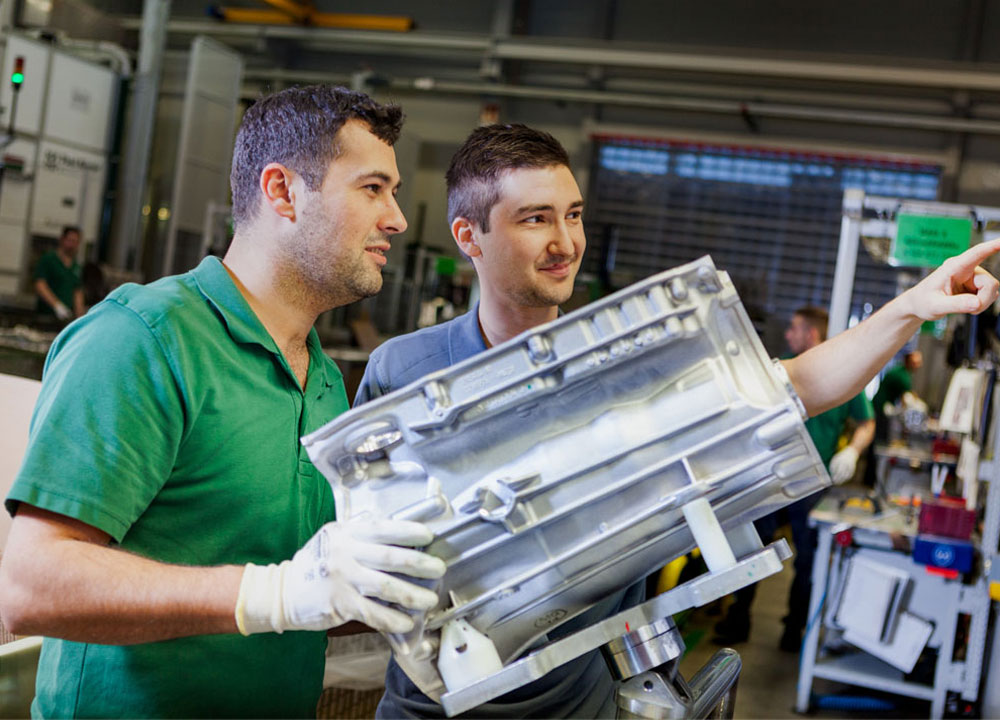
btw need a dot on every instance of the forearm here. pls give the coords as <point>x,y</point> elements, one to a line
<point>78,305</point>
<point>75,589</point>
<point>45,292</point>
<point>833,372</point>
<point>863,436</point>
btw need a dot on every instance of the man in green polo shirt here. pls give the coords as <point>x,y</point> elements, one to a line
<point>896,384</point>
<point>58,282</point>
<point>164,488</point>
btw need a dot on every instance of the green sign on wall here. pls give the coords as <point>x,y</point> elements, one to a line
<point>924,241</point>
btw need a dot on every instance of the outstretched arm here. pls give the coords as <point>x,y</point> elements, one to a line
<point>831,373</point>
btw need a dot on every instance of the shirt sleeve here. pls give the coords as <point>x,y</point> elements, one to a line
<point>43,270</point>
<point>107,426</point>
<point>370,386</point>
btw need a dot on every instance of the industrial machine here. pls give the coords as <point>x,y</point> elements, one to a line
<point>570,462</point>
<point>58,113</point>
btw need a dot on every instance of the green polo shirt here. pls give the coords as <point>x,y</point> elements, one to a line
<point>825,429</point>
<point>169,419</point>
<point>62,280</point>
<point>896,383</point>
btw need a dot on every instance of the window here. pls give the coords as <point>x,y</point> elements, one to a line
<point>771,218</point>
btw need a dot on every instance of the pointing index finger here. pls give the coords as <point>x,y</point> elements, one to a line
<point>976,254</point>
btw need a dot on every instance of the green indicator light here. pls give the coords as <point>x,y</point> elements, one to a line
<point>17,78</point>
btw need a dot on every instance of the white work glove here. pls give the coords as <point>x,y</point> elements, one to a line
<point>334,577</point>
<point>843,465</point>
<point>912,402</point>
<point>62,312</point>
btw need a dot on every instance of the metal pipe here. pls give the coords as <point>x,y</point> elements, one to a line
<point>121,63</point>
<point>334,37</point>
<point>847,261</point>
<point>126,245</point>
<point>952,76</point>
<point>808,98</point>
<point>967,76</point>
<point>714,686</point>
<point>119,58</point>
<point>728,107</point>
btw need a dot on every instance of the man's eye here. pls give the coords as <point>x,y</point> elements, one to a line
<point>533,219</point>
<point>375,187</point>
<point>575,215</point>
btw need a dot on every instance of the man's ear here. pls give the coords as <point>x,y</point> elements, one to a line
<point>464,232</point>
<point>278,190</point>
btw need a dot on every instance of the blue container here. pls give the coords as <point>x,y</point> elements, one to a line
<point>943,552</point>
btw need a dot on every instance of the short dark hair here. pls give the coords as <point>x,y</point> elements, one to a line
<point>297,127</point>
<point>67,229</point>
<point>815,317</point>
<point>473,178</point>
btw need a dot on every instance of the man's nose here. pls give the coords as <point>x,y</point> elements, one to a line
<point>393,222</point>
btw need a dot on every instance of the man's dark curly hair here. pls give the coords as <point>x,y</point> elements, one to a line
<point>473,178</point>
<point>298,128</point>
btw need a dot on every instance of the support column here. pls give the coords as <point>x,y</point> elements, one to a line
<point>847,261</point>
<point>126,242</point>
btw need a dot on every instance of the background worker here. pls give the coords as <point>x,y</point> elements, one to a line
<point>58,280</point>
<point>164,488</point>
<point>896,385</point>
<point>806,330</point>
<point>516,212</point>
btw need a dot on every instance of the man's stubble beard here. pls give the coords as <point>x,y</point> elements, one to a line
<point>541,297</point>
<point>328,274</point>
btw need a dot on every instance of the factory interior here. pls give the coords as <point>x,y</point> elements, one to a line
<point>753,179</point>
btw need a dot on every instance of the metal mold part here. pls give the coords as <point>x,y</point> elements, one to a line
<point>552,469</point>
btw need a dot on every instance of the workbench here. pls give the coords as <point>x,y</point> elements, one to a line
<point>886,536</point>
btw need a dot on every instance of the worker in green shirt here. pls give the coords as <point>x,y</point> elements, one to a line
<point>58,282</point>
<point>895,385</point>
<point>171,539</point>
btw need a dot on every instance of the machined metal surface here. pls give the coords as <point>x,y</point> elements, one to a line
<point>643,649</point>
<point>555,469</point>
<point>710,694</point>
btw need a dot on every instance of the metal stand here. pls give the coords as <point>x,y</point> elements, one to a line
<point>662,692</point>
<point>654,644</point>
<point>646,659</point>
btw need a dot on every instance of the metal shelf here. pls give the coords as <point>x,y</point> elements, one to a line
<point>859,668</point>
